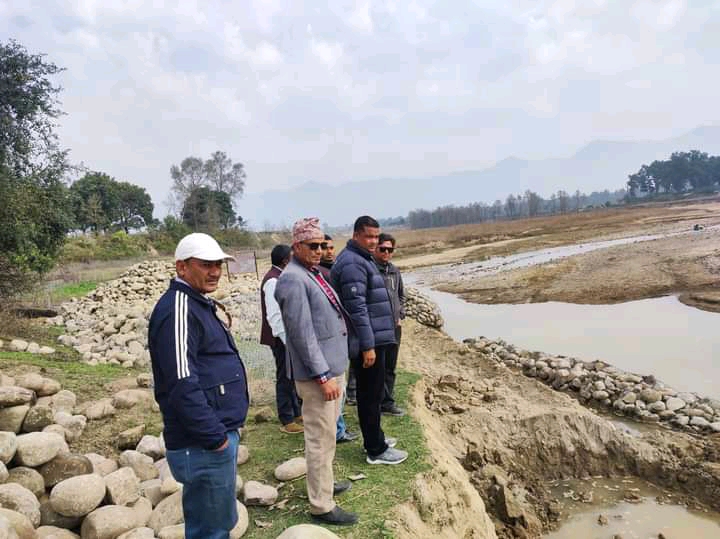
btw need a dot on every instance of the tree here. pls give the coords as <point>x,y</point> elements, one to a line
<point>135,207</point>
<point>218,174</point>
<point>35,210</point>
<point>225,176</point>
<point>205,209</point>
<point>95,201</point>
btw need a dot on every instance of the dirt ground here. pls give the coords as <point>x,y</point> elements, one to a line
<point>687,265</point>
<point>497,439</point>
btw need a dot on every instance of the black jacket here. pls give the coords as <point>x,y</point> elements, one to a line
<point>363,294</point>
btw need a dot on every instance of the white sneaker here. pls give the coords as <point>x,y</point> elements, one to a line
<point>389,456</point>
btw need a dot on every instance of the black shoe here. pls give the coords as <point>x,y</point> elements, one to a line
<point>338,517</point>
<point>393,410</point>
<point>341,486</point>
<point>347,437</point>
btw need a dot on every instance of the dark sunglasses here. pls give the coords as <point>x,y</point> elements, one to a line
<point>314,245</point>
<point>386,249</point>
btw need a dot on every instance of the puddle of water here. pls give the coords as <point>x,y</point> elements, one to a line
<point>659,336</point>
<point>644,518</point>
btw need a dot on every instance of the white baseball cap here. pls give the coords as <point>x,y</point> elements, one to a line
<point>201,246</point>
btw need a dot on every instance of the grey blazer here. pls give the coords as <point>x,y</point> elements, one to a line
<point>316,334</point>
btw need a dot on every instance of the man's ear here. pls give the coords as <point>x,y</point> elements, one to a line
<point>180,267</point>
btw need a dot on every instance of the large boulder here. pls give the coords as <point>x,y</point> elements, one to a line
<point>8,445</point>
<point>63,401</point>
<point>129,439</point>
<point>291,469</point>
<point>37,418</point>
<point>102,465</point>
<point>123,486</point>
<point>11,419</point>
<point>37,448</point>
<point>39,384</point>
<point>167,513</point>
<point>143,509</point>
<point>64,467</point>
<point>99,409</point>
<point>22,525</point>
<point>15,395</point>
<point>78,495</point>
<point>172,532</point>
<point>307,531</point>
<point>127,398</point>
<point>74,424</point>
<point>108,522</point>
<point>256,493</point>
<point>242,524</point>
<point>50,517</point>
<point>152,490</point>
<point>28,478</point>
<point>17,498</point>
<point>6,529</point>
<point>53,532</point>
<point>141,464</point>
<point>152,446</point>
<point>138,533</point>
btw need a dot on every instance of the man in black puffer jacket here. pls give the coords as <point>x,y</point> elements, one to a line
<point>363,294</point>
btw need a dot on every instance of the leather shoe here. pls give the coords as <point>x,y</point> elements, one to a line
<point>347,437</point>
<point>341,486</point>
<point>337,517</point>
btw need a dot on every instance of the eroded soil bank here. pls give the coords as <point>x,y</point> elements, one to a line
<point>508,436</point>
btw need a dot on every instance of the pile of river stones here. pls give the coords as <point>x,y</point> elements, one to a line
<point>49,492</point>
<point>600,384</point>
<point>109,325</point>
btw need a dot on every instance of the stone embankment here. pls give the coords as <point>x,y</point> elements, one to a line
<point>49,491</point>
<point>422,309</point>
<point>600,384</point>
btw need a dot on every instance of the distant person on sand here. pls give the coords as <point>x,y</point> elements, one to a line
<point>201,387</point>
<point>364,295</point>
<point>272,334</point>
<point>394,284</point>
<point>317,348</point>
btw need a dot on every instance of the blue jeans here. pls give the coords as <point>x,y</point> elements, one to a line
<point>208,479</point>
<point>341,428</point>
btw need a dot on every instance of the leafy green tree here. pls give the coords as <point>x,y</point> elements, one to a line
<point>95,201</point>
<point>135,207</point>
<point>35,211</point>
<point>205,209</point>
<point>217,175</point>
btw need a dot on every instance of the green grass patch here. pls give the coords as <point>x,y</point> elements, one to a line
<point>71,290</point>
<point>372,498</point>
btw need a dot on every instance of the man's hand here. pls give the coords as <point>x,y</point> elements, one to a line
<point>223,446</point>
<point>368,358</point>
<point>331,391</point>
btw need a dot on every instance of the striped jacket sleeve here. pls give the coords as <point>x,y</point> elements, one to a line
<point>178,339</point>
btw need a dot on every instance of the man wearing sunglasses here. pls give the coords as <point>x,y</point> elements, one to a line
<point>316,339</point>
<point>394,285</point>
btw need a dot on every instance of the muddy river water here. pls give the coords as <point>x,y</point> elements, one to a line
<point>659,336</point>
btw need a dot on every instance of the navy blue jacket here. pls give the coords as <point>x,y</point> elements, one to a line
<point>363,294</point>
<point>200,380</point>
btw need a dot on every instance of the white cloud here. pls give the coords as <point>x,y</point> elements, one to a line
<point>361,17</point>
<point>358,89</point>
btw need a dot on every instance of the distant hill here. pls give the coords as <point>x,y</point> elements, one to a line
<point>597,166</point>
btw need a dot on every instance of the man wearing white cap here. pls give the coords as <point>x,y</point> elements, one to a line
<point>201,387</point>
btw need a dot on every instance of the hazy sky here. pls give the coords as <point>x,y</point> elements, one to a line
<point>365,89</point>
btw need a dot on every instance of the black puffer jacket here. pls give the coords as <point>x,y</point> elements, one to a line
<point>364,295</point>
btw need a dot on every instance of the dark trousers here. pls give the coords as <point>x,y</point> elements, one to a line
<point>370,394</point>
<point>288,405</point>
<point>390,364</point>
<point>351,391</point>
